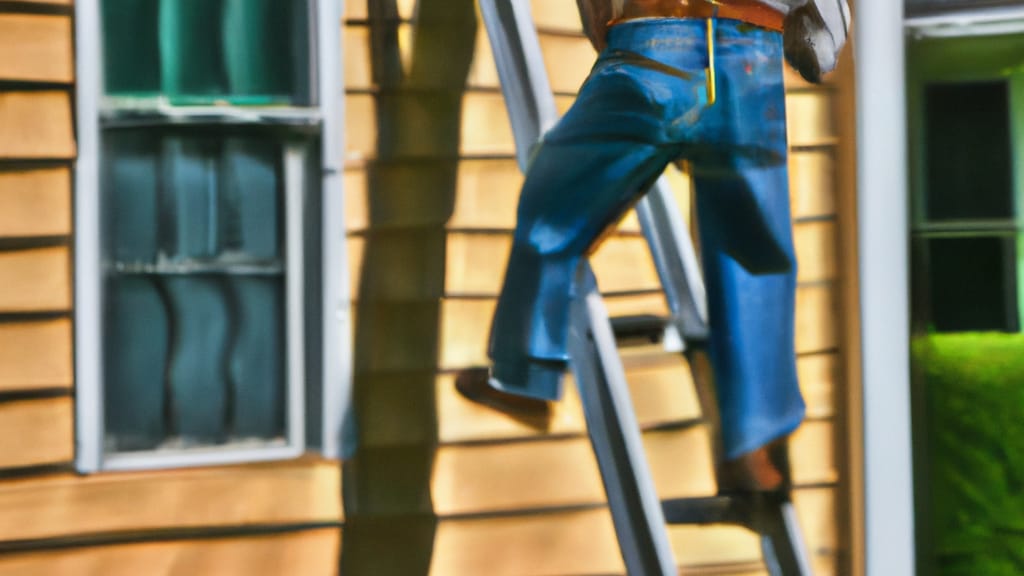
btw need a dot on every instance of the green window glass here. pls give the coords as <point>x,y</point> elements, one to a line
<point>194,292</point>
<point>248,52</point>
<point>209,139</point>
<point>966,235</point>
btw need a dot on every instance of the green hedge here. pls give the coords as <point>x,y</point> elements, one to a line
<point>974,388</point>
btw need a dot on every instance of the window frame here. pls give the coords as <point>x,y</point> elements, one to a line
<point>325,116</point>
<point>923,9</point>
<point>946,62</point>
<point>994,18</point>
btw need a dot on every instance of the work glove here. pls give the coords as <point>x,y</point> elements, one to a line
<point>814,34</point>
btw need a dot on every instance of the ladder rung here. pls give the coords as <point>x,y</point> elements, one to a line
<point>769,514</point>
<point>650,329</point>
<point>707,510</point>
<point>696,338</point>
<point>647,328</point>
<point>756,511</point>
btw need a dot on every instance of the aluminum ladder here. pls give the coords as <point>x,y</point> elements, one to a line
<point>638,515</point>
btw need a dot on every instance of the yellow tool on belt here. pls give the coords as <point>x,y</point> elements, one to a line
<point>710,71</point>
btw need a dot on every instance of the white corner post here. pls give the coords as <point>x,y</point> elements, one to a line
<point>87,274</point>
<point>337,321</point>
<point>883,244</point>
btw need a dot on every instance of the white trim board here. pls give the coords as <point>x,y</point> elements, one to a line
<point>883,239</point>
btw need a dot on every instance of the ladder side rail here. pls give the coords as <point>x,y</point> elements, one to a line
<point>611,422</point>
<point>675,259</point>
<point>520,63</point>
<point>615,435</point>
<point>531,109</point>
<point>782,543</point>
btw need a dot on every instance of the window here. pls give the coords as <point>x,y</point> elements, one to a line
<point>251,52</point>
<point>209,235</point>
<point>966,235</point>
<point>967,123</point>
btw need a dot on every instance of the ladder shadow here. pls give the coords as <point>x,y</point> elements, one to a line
<point>411,181</point>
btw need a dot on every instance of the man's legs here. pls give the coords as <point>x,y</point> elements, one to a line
<point>751,310</point>
<point>603,153</point>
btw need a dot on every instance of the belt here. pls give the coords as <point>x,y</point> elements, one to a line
<point>749,11</point>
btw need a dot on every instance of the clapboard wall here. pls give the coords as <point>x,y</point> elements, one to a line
<point>268,519</point>
<point>431,187</point>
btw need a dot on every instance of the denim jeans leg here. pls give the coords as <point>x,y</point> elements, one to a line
<point>751,312</point>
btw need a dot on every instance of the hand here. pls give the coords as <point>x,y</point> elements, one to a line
<point>813,38</point>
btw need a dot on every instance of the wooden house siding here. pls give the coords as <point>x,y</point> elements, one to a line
<point>37,148</point>
<point>312,553</point>
<point>429,232</point>
<point>265,519</point>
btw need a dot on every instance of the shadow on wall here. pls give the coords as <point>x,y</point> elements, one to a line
<point>390,519</point>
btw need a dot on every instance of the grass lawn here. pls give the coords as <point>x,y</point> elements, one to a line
<point>975,447</point>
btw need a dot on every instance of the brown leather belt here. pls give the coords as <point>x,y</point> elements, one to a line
<point>749,11</point>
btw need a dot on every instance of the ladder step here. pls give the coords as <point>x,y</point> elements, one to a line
<point>644,328</point>
<point>707,510</point>
<point>755,510</point>
<point>769,514</point>
<point>650,329</point>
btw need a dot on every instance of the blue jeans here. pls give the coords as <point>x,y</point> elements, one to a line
<point>645,105</point>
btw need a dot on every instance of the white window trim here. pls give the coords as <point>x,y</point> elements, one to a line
<point>337,300</point>
<point>968,22</point>
<point>336,337</point>
<point>89,415</point>
<point>883,240</point>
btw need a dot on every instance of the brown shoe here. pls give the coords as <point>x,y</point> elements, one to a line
<point>765,469</point>
<point>474,384</point>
